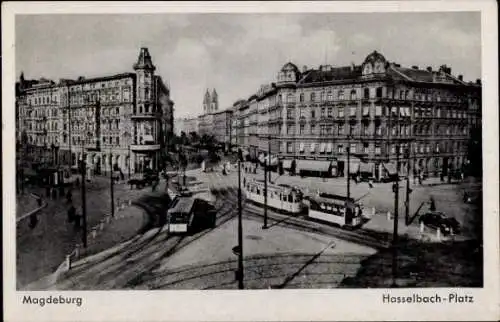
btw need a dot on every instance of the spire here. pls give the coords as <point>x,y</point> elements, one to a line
<point>144,60</point>
<point>207,97</point>
<point>214,96</point>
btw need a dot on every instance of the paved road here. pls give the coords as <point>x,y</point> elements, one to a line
<point>138,263</point>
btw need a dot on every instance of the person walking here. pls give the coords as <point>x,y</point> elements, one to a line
<point>71,213</point>
<point>69,197</point>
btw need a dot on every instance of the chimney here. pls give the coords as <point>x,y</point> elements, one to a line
<point>429,69</point>
<point>414,67</point>
<point>304,68</point>
<point>460,77</point>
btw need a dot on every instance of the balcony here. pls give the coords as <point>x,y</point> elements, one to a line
<point>149,115</point>
<point>144,147</point>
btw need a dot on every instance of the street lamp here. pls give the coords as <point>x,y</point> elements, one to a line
<point>240,225</point>
<point>266,163</point>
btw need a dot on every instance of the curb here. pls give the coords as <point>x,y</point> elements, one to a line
<point>33,211</point>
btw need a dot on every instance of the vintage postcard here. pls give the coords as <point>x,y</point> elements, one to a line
<point>230,161</point>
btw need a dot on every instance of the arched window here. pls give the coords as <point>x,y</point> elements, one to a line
<point>330,96</point>
<point>353,94</point>
<point>313,97</point>
<point>341,95</point>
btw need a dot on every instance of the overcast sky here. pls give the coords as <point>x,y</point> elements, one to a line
<point>236,53</point>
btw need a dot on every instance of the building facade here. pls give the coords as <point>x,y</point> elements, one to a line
<point>186,125</point>
<point>122,120</point>
<point>378,110</point>
<point>221,127</point>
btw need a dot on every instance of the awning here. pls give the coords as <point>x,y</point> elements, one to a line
<point>313,165</point>
<point>366,167</point>
<point>353,167</point>
<point>287,164</point>
<point>390,168</point>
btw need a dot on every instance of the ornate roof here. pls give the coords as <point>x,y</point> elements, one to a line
<point>374,56</point>
<point>144,60</point>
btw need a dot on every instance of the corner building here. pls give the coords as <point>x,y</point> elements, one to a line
<point>120,120</point>
<point>378,110</point>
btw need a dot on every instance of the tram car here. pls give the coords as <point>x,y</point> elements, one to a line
<point>188,215</point>
<point>335,209</point>
<point>280,197</point>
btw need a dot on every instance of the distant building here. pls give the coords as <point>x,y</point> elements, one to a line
<point>378,110</point>
<point>186,125</point>
<point>119,120</point>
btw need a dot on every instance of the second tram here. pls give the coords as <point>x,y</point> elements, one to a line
<point>281,197</point>
<point>336,209</point>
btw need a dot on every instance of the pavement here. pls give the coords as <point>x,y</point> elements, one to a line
<point>42,249</point>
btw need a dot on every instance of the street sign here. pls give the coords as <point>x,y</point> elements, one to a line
<point>236,250</point>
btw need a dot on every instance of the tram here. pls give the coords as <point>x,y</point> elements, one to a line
<point>281,197</point>
<point>189,215</point>
<point>335,209</point>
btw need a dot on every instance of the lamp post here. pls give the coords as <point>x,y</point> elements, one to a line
<point>240,225</point>
<point>348,167</point>
<point>111,184</point>
<point>84,198</point>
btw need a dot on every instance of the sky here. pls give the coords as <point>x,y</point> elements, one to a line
<point>237,53</point>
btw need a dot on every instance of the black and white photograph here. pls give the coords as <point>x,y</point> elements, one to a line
<point>215,151</point>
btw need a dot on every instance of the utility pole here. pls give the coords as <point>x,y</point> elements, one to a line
<point>395,232</point>
<point>111,185</point>
<point>348,169</point>
<point>84,199</point>
<point>70,126</point>
<point>265,191</point>
<point>240,226</point>
<point>269,155</point>
<point>407,201</point>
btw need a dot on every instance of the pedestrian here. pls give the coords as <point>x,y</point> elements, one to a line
<point>432,207</point>
<point>39,201</point>
<point>370,183</point>
<point>71,213</point>
<point>77,218</point>
<point>420,178</point>
<point>244,181</point>
<point>33,220</point>
<point>69,196</point>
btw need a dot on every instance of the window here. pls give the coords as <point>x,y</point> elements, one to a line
<point>366,93</point>
<point>352,129</point>
<point>313,114</point>
<point>353,95</point>
<point>330,96</point>
<point>366,110</point>
<point>401,94</point>
<point>289,147</point>
<point>352,111</point>
<point>377,149</point>
<point>301,97</point>
<point>341,112</point>
<point>378,129</point>
<point>341,129</point>
<point>301,147</point>
<point>313,97</point>
<point>313,129</point>
<point>365,148</point>
<point>322,112</point>
<point>330,112</point>
<point>301,129</point>
<point>378,110</point>
<point>379,92</point>
<point>288,129</point>
<point>364,129</point>
<point>352,148</point>
<point>340,148</point>
<point>393,148</point>
<point>341,95</point>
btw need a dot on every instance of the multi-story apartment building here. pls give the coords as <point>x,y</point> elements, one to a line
<point>221,127</point>
<point>378,110</point>
<point>120,120</point>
